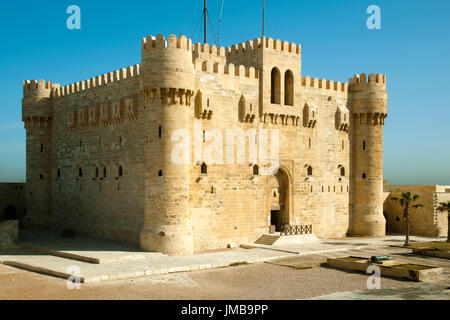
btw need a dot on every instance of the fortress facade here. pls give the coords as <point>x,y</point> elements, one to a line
<point>99,152</point>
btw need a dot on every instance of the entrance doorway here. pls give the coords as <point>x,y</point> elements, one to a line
<point>278,193</point>
<point>275,219</point>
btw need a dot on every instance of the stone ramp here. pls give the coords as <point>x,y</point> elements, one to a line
<point>122,270</point>
<point>83,248</point>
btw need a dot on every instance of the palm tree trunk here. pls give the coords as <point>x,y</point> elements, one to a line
<point>407,226</point>
<point>407,233</point>
<point>448,225</point>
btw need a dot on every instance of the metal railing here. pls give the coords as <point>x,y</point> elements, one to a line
<point>288,230</point>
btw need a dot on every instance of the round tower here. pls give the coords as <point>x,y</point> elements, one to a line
<point>167,82</point>
<point>368,99</point>
<point>37,117</point>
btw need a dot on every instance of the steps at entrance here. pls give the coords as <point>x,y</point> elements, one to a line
<point>267,239</point>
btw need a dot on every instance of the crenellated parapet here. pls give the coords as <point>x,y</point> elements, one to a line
<point>325,87</point>
<point>249,47</point>
<point>228,69</point>
<point>368,98</point>
<point>36,103</point>
<point>117,77</point>
<point>167,63</point>
<point>361,81</point>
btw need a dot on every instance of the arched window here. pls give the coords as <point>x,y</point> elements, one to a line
<point>275,86</point>
<point>255,170</point>
<point>364,176</point>
<point>160,173</point>
<point>104,172</point>
<point>80,172</point>
<point>310,171</point>
<point>342,172</point>
<point>289,88</point>
<point>364,145</point>
<point>204,168</point>
<point>120,171</point>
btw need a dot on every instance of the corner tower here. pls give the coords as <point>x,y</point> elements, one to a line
<point>37,117</point>
<point>368,100</point>
<point>167,83</point>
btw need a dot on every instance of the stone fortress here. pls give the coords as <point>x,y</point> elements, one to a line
<point>99,152</point>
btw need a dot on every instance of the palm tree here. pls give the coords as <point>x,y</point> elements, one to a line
<point>406,200</point>
<point>445,206</point>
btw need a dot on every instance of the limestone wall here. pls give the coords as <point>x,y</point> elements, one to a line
<point>107,157</point>
<point>12,199</point>
<point>425,222</point>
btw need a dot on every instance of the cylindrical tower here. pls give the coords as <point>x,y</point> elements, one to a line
<point>368,101</point>
<point>167,82</point>
<point>37,117</point>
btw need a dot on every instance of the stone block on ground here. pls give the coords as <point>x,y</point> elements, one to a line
<point>5,240</point>
<point>11,228</point>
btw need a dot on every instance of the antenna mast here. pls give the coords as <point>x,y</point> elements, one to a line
<point>220,21</point>
<point>263,16</point>
<point>205,18</point>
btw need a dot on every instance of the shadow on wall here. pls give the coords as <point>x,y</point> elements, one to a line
<point>9,213</point>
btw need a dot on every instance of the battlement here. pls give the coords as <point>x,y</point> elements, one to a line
<point>330,86</point>
<point>152,43</point>
<point>33,85</point>
<point>226,69</point>
<point>206,49</point>
<point>129,73</point>
<point>360,81</point>
<point>263,42</point>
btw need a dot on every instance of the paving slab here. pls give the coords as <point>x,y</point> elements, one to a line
<point>81,247</point>
<point>120,270</point>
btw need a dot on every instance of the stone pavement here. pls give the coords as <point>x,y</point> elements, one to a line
<point>101,260</point>
<point>438,289</point>
<point>336,245</point>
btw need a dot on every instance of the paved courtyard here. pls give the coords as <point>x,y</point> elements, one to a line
<point>295,277</point>
<point>102,260</point>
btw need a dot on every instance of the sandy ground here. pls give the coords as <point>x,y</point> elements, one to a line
<point>256,281</point>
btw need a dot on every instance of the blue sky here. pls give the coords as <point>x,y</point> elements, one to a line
<point>412,48</point>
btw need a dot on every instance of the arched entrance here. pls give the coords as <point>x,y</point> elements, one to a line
<point>279,203</point>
